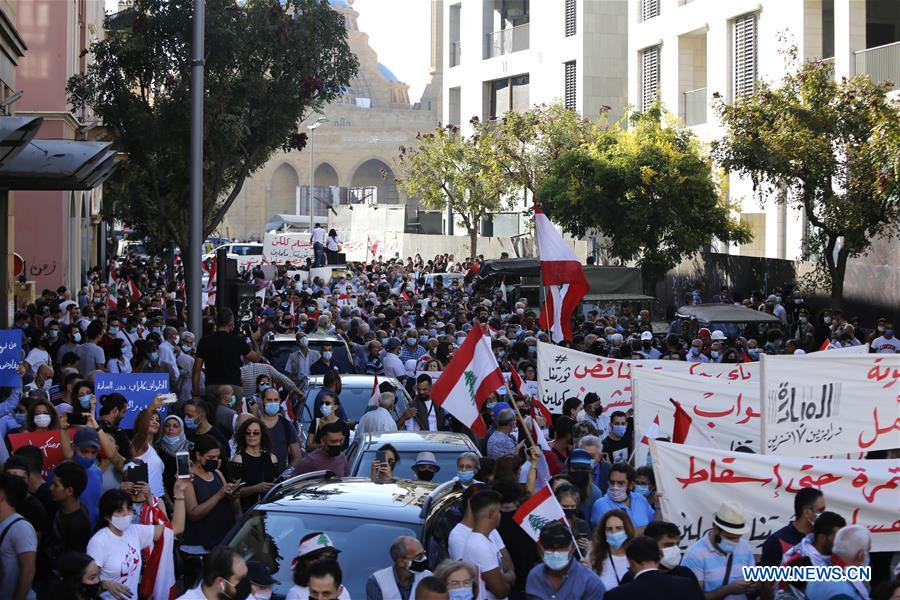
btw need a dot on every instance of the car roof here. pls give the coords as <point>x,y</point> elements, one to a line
<point>357,497</point>
<point>356,380</point>
<point>432,441</point>
<point>313,337</point>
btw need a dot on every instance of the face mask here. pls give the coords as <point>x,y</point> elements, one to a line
<point>211,464</point>
<point>271,408</point>
<point>326,410</point>
<point>671,557</point>
<point>615,540</point>
<point>84,461</point>
<point>465,476</point>
<point>619,430</point>
<point>186,349</point>
<point>532,349</point>
<point>417,566</point>
<point>232,402</point>
<point>85,401</point>
<point>643,490</point>
<point>460,340</point>
<point>727,546</point>
<point>171,440</point>
<point>556,561</point>
<point>20,418</point>
<point>263,387</point>
<point>888,333</point>
<point>461,594</point>
<point>423,339</point>
<point>425,475</point>
<point>827,320</point>
<point>327,355</point>
<point>76,337</point>
<point>121,523</point>
<point>411,341</point>
<point>54,334</point>
<point>520,311</point>
<point>42,421</point>
<point>156,330</point>
<point>333,450</point>
<point>190,423</point>
<point>803,320</point>
<point>570,514</point>
<point>714,354</point>
<point>154,356</point>
<point>304,343</point>
<point>617,494</point>
<point>89,591</point>
<point>113,330</point>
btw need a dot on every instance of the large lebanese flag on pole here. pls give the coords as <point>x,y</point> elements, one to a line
<point>468,380</point>
<point>686,431</point>
<point>562,276</point>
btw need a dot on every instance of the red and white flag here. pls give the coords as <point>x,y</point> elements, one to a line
<point>537,434</point>
<point>686,431</point>
<point>539,510</point>
<point>211,284</point>
<point>375,396</point>
<point>133,289</point>
<point>652,431</point>
<point>112,299</point>
<point>468,380</point>
<point>562,277</point>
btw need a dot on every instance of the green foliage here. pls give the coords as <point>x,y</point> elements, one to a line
<point>268,66</point>
<point>830,149</point>
<point>649,190</point>
<point>449,170</point>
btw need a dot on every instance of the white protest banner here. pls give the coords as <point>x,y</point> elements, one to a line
<point>693,483</point>
<point>861,349</point>
<point>565,373</point>
<point>838,404</point>
<point>727,412</point>
<point>281,248</point>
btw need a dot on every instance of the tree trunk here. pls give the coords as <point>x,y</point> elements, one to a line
<point>473,241</point>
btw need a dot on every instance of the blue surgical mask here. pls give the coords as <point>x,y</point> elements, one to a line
<point>727,546</point>
<point>232,402</point>
<point>423,339</point>
<point>615,540</point>
<point>556,561</point>
<point>271,408</point>
<point>113,330</point>
<point>76,337</point>
<point>85,401</point>
<point>532,349</point>
<point>132,330</point>
<point>327,355</point>
<point>461,594</point>
<point>154,356</point>
<point>263,387</point>
<point>85,462</point>
<point>190,423</point>
<point>326,410</point>
<point>156,330</point>
<point>643,490</point>
<point>411,341</point>
<point>171,440</point>
<point>619,430</point>
<point>465,476</point>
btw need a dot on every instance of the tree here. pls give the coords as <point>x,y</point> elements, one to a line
<point>830,149</point>
<point>449,170</point>
<point>269,64</point>
<point>648,189</point>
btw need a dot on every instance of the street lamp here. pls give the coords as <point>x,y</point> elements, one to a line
<point>312,173</point>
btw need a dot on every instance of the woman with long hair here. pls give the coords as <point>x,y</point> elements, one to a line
<point>254,463</point>
<point>41,416</point>
<point>79,578</point>
<point>115,360</point>
<point>611,539</point>
<point>146,433</point>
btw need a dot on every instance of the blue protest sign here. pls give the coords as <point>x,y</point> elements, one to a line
<point>139,390</point>
<point>10,357</point>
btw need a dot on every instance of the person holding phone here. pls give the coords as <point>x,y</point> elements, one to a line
<point>212,504</point>
<point>386,458</point>
<point>146,432</point>
<point>168,445</point>
<point>254,460</point>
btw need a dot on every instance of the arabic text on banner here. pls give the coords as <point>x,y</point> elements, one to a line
<point>844,403</point>
<point>47,440</point>
<point>695,481</point>
<point>727,412</point>
<point>139,390</point>
<point>10,357</point>
<point>564,373</point>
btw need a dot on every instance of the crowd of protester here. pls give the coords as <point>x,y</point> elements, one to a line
<point>114,519</point>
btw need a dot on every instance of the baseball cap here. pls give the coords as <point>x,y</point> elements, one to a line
<point>86,437</point>
<point>392,344</point>
<point>579,456</point>
<point>646,336</point>
<point>555,535</point>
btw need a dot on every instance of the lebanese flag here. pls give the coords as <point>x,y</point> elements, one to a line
<point>539,510</point>
<point>652,431</point>
<point>374,396</point>
<point>405,296</point>
<point>112,299</point>
<point>686,431</point>
<point>211,285</point>
<point>158,580</point>
<point>468,380</point>
<point>825,345</point>
<point>563,278</point>
<point>133,289</point>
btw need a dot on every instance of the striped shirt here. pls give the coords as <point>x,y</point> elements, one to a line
<point>709,563</point>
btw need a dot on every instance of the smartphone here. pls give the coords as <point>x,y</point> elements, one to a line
<point>380,456</point>
<point>137,474</point>
<point>169,398</point>
<point>183,465</point>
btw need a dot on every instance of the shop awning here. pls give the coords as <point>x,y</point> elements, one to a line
<point>15,133</point>
<point>59,165</point>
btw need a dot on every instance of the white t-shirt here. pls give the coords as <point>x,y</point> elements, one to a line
<point>318,235</point>
<point>155,468</point>
<point>298,592</point>
<point>614,569</point>
<point>456,543</point>
<point>481,552</point>
<point>119,557</point>
<point>882,345</point>
<point>37,357</point>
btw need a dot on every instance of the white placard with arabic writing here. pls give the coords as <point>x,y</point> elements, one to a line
<point>727,412</point>
<point>695,481</point>
<point>837,404</point>
<point>564,373</point>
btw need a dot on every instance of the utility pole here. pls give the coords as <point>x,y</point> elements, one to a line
<point>312,168</point>
<point>195,232</point>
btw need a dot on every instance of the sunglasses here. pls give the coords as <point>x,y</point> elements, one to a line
<point>253,433</point>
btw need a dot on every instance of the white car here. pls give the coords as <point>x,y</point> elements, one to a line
<point>247,254</point>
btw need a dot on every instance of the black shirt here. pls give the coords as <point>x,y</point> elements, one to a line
<point>70,531</point>
<point>611,447</point>
<point>778,543</point>
<point>221,353</point>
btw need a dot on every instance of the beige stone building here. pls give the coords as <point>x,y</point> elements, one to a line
<point>354,152</point>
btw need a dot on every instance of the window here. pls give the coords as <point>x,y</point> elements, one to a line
<point>455,106</point>
<point>570,18</point>
<point>649,9</point>
<point>744,55</point>
<point>570,98</point>
<point>649,76</point>
<point>508,94</point>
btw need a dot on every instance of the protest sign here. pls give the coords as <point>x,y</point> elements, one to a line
<point>10,357</point>
<point>693,483</point>
<point>281,248</point>
<point>844,403</point>
<point>139,390</point>
<point>727,412</point>
<point>47,440</point>
<point>564,373</point>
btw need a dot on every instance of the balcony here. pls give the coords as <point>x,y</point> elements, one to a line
<point>455,50</point>
<point>507,41</point>
<point>695,107</point>
<point>828,63</point>
<point>880,64</point>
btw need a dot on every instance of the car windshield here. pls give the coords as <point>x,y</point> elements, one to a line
<point>273,538</point>
<point>446,460</point>
<point>354,400</point>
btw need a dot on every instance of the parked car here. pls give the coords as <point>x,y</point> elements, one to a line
<point>446,446</point>
<point>278,346</point>
<point>361,517</point>
<point>356,390</point>
<point>450,279</point>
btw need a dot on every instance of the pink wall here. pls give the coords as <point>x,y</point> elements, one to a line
<point>42,73</point>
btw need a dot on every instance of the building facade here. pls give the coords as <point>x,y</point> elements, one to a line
<point>58,234</point>
<point>353,151</point>
<point>685,51</point>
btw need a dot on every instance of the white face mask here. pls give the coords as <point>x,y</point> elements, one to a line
<point>671,557</point>
<point>121,523</point>
<point>42,421</point>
